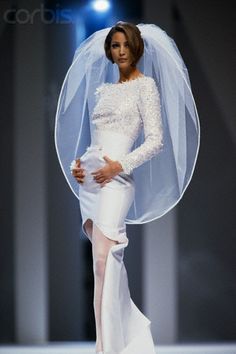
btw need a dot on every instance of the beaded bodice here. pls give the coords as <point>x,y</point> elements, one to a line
<point>129,107</point>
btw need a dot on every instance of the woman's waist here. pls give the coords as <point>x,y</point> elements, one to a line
<point>113,144</point>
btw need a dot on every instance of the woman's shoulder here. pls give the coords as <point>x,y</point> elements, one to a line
<point>101,87</point>
<point>148,80</point>
<point>143,80</point>
<point>150,86</point>
<point>147,86</point>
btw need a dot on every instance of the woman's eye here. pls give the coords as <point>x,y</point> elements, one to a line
<point>115,45</point>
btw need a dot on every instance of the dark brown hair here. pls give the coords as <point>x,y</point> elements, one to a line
<point>134,39</point>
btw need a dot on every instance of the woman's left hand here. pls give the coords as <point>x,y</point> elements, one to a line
<point>105,174</point>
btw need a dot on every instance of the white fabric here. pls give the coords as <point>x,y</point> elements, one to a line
<point>125,329</point>
<point>163,179</point>
<point>128,108</point>
<point>107,206</point>
<point>152,183</point>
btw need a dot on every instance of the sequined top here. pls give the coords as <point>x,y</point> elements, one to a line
<point>129,107</point>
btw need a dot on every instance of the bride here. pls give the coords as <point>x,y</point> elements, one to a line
<point>118,180</point>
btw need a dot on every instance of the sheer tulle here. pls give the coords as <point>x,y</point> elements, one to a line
<point>168,174</point>
<point>100,249</point>
<point>121,327</point>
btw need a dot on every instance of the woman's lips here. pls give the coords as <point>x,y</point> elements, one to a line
<point>122,60</point>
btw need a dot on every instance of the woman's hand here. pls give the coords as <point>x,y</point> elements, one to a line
<point>104,175</point>
<point>78,172</point>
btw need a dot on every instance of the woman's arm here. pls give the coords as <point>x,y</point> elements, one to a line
<point>151,116</point>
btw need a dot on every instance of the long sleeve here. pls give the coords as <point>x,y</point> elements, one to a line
<point>150,110</point>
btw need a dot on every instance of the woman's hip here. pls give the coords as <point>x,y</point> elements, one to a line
<point>91,161</point>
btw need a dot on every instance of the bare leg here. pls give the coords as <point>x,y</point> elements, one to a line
<point>100,248</point>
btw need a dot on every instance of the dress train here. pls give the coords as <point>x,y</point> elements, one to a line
<point>125,329</point>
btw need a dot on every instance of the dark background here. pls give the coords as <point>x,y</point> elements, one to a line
<point>206,264</point>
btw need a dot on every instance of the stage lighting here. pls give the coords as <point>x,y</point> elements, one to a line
<point>101,5</point>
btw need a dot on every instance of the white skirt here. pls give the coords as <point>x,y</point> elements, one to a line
<point>125,329</point>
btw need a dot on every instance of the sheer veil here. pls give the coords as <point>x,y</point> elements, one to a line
<point>160,182</point>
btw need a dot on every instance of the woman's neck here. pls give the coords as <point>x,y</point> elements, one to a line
<point>129,75</point>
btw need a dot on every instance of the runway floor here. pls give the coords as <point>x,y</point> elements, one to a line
<point>89,348</point>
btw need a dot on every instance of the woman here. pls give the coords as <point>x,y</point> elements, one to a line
<point>107,229</point>
<point>117,173</point>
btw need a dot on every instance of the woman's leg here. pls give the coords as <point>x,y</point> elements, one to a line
<point>100,248</point>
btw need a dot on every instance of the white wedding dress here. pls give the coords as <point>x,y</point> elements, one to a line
<point>122,110</point>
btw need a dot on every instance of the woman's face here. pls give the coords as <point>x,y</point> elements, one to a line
<point>120,50</point>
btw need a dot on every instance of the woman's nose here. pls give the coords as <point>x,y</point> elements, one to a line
<point>122,50</point>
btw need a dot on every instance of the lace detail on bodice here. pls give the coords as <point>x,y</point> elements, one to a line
<point>128,108</point>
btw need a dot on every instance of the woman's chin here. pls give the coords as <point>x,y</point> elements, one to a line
<point>124,65</point>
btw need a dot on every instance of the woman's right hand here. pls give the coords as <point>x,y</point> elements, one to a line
<point>78,172</point>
